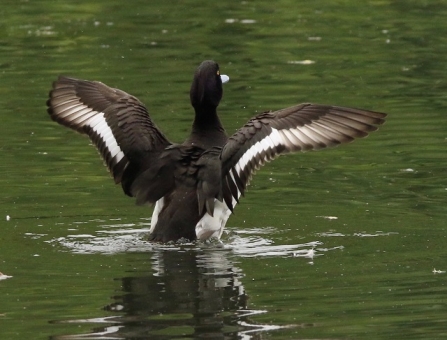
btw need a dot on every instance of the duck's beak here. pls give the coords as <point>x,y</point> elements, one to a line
<point>224,78</point>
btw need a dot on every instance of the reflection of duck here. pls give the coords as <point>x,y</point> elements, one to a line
<point>197,292</point>
<point>192,293</point>
<point>195,185</point>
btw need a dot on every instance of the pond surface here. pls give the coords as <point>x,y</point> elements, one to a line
<point>341,243</point>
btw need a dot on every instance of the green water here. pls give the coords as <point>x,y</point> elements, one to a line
<point>340,243</point>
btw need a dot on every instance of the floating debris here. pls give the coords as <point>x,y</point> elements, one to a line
<point>243,21</point>
<point>4,277</point>
<point>328,217</point>
<point>435,271</point>
<point>301,62</point>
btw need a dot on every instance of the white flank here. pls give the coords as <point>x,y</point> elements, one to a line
<point>212,226</point>
<point>158,207</point>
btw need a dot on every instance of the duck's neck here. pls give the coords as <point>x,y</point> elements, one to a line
<point>207,130</point>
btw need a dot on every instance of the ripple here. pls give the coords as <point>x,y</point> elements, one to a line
<point>358,234</point>
<point>112,238</point>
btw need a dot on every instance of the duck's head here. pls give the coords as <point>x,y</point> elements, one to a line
<point>206,88</point>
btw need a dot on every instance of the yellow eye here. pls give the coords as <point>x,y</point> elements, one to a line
<point>218,73</point>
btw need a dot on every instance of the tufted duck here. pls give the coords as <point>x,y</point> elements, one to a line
<point>195,185</point>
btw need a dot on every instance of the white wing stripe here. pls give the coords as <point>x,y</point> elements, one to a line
<point>96,120</point>
<point>113,147</point>
<point>100,127</point>
<point>119,157</point>
<point>238,169</point>
<point>264,144</point>
<point>259,150</point>
<point>242,162</point>
<point>248,155</point>
<point>275,137</point>
<point>234,202</point>
<point>302,137</point>
<point>107,135</point>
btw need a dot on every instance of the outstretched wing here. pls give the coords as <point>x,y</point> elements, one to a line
<point>117,123</point>
<point>298,128</point>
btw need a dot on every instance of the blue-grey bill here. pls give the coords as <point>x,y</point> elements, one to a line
<point>224,78</point>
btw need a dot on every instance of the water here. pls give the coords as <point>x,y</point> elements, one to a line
<point>342,243</point>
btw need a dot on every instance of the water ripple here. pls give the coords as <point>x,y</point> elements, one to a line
<point>114,236</point>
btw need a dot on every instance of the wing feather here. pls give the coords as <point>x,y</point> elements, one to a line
<point>302,127</point>
<point>117,123</point>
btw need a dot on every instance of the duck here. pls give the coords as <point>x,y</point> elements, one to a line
<point>195,186</point>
